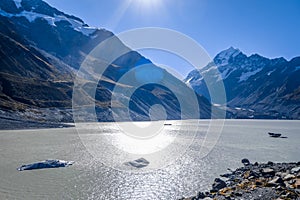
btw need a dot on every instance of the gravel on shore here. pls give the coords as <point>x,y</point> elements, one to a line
<point>258,181</point>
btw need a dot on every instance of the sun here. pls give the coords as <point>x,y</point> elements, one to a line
<point>148,1</point>
<point>147,4</point>
<point>144,9</point>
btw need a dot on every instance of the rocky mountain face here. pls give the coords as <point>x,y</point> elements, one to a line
<point>41,50</point>
<point>256,87</point>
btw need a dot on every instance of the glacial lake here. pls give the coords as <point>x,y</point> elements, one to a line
<point>89,178</point>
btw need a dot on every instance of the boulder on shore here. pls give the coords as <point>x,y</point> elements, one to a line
<point>245,161</point>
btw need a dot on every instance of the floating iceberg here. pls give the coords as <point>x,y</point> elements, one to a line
<point>139,163</point>
<point>46,164</point>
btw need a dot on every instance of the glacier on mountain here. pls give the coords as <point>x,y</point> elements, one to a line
<point>32,16</point>
<point>245,75</point>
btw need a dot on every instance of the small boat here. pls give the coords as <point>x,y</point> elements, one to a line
<point>275,135</point>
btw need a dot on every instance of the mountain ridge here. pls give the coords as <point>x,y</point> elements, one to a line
<point>259,87</point>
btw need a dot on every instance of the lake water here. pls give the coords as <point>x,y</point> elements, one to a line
<point>89,178</point>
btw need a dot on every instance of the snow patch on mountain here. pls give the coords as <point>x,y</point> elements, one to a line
<point>18,3</point>
<point>193,76</point>
<point>188,81</point>
<point>209,69</point>
<point>32,16</point>
<point>270,72</point>
<point>192,82</point>
<point>226,73</point>
<point>3,13</point>
<point>246,75</point>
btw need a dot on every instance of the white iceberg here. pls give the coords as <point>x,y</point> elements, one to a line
<point>46,164</point>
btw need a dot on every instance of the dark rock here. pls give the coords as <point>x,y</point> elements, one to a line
<point>279,188</point>
<point>226,175</point>
<point>254,174</point>
<point>229,169</point>
<point>270,163</point>
<point>258,183</point>
<point>201,195</point>
<point>279,180</point>
<point>213,191</point>
<point>245,161</point>
<point>275,182</point>
<point>238,194</point>
<point>218,184</point>
<point>287,195</point>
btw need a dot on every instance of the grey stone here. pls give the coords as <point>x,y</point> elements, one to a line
<point>268,172</point>
<point>275,181</point>
<point>289,177</point>
<point>295,170</point>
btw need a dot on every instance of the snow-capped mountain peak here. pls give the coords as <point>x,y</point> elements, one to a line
<point>224,56</point>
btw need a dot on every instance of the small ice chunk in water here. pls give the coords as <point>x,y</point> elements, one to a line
<point>139,163</point>
<point>46,164</point>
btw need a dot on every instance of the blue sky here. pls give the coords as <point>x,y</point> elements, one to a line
<point>267,27</point>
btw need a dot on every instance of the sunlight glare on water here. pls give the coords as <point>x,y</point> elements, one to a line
<point>140,146</point>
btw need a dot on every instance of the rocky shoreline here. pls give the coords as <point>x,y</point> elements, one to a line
<point>258,181</point>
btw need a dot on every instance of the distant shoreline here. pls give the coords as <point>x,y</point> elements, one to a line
<point>10,124</point>
<point>15,124</point>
